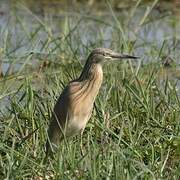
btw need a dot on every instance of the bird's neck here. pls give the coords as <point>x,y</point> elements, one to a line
<point>91,71</point>
<point>92,77</point>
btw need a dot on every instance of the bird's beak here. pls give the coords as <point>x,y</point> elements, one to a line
<point>122,56</point>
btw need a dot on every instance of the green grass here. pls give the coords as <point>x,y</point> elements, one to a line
<point>134,132</point>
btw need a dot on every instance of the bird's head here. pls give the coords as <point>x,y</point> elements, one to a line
<point>101,55</point>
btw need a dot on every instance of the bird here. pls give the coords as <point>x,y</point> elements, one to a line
<point>74,107</point>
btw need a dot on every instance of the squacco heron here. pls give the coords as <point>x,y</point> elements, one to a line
<point>74,106</point>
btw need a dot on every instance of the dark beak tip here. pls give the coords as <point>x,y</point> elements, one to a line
<point>126,57</point>
<point>130,57</point>
<point>135,57</point>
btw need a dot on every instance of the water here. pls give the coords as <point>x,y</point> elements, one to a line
<point>20,20</point>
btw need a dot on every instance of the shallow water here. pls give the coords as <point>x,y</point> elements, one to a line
<point>20,19</point>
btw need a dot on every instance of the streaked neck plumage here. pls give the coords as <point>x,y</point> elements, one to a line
<point>92,77</point>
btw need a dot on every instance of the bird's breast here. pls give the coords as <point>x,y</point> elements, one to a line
<point>82,101</point>
<point>78,102</point>
<point>77,122</point>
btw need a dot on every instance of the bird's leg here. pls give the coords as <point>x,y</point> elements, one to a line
<point>81,143</point>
